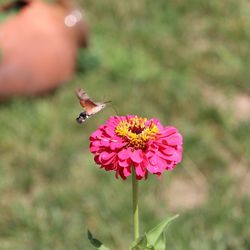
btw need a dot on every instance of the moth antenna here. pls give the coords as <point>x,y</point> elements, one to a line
<point>107,102</point>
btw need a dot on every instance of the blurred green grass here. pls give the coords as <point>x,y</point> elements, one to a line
<point>184,62</point>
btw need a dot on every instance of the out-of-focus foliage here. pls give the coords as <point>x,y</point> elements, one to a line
<point>185,62</point>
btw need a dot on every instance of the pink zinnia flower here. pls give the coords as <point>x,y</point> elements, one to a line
<point>131,141</point>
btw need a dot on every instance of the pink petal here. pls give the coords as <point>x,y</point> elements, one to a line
<point>123,154</point>
<point>124,163</point>
<point>161,165</point>
<point>94,149</point>
<point>97,133</point>
<point>96,159</point>
<point>127,171</point>
<point>175,157</point>
<point>104,142</point>
<point>110,132</point>
<point>168,150</point>
<point>152,169</point>
<point>169,131</point>
<point>106,158</point>
<point>139,170</point>
<point>116,144</point>
<point>150,154</point>
<point>96,143</point>
<point>110,167</point>
<point>136,156</point>
<point>175,139</point>
<point>120,144</point>
<point>169,165</point>
<point>154,160</point>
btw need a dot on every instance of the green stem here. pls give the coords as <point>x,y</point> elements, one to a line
<point>135,205</point>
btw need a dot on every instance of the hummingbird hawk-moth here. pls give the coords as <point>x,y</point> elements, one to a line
<point>90,107</point>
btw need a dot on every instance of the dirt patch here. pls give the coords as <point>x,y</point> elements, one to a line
<point>242,107</point>
<point>184,194</point>
<point>238,105</point>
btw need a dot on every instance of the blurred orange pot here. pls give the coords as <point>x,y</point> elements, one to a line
<point>38,47</point>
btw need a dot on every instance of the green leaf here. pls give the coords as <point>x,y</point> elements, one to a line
<point>155,239</point>
<point>96,243</point>
<point>161,242</point>
<point>140,243</point>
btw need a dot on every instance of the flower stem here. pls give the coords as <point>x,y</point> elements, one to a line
<point>135,204</point>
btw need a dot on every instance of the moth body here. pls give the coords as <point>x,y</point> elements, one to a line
<point>82,117</point>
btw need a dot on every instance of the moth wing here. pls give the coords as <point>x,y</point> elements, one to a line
<point>85,100</point>
<point>90,107</point>
<point>81,94</point>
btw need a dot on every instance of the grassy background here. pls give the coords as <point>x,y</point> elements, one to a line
<point>185,62</point>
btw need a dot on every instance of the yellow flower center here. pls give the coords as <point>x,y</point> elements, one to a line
<point>136,131</point>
